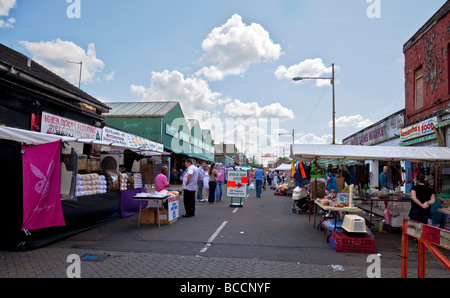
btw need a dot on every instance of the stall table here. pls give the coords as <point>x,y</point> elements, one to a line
<point>154,201</point>
<point>377,199</point>
<point>335,210</point>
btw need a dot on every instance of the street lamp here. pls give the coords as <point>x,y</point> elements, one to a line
<point>293,141</point>
<point>332,83</point>
<point>81,69</point>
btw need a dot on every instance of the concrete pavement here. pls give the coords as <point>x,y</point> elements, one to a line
<point>120,250</point>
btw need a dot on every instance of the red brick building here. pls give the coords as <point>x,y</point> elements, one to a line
<point>427,59</point>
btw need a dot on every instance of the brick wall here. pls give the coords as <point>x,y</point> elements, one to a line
<point>429,52</point>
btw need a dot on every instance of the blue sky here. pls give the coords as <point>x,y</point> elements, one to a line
<point>231,59</point>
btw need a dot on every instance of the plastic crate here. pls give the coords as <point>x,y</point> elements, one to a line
<point>344,243</point>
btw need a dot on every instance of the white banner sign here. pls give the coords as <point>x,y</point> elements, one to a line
<point>57,125</point>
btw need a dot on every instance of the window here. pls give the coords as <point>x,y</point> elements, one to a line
<point>448,67</point>
<point>418,89</point>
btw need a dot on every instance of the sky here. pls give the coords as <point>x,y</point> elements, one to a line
<point>230,63</point>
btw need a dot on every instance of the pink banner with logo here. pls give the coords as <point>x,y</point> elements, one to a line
<point>41,186</point>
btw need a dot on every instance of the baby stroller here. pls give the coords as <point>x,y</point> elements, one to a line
<point>301,197</point>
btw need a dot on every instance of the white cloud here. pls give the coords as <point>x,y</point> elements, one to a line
<point>192,93</point>
<point>8,24</point>
<point>234,46</point>
<point>55,55</point>
<point>355,121</point>
<point>238,108</point>
<point>110,77</point>
<point>306,68</point>
<point>311,138</point>
<point>5,7</point>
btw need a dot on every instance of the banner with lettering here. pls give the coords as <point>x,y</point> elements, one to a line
<point>41,186</point>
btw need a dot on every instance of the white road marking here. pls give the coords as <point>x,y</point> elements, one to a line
<point>213,236</point>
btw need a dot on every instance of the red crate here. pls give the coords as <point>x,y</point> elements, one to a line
<point>344,243</point>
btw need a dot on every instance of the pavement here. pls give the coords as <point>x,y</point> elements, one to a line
<point>292,249</point>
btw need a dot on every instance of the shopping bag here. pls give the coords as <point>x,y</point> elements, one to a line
<point>252,186</point>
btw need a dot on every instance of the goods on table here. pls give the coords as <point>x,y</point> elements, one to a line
<point>137,178</point>
<point>112,180</point>
<point>170,193</point>
<point>281,189</point>
<point>90,184</point>
<point>123,181</point>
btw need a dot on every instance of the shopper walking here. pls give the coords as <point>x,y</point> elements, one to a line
<point>259,176</point>
<point>200,183</point>
<point>219,187</point>
<point>212,183</point>
<point>206,182</point>
<point>190,180</point>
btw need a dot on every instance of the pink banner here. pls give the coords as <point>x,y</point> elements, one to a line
<point>41,186</point>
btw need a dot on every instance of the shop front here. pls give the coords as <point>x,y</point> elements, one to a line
<point>85,182</point>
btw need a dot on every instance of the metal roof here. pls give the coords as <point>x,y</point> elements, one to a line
<point>20,64</point>
<point>140,109</point>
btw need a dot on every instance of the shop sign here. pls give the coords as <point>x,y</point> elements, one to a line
<point>114,136</point>
<point>419,129</point>
<point>57,125</point>
<point>376,134</point>
<point>172,206</point>
<point>118,137</point>
<point>419,140</point>
<point>237,182</point>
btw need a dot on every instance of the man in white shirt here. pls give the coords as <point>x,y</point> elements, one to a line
<point>190,180</point>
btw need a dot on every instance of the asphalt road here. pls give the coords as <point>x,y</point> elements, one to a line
<point>264,238</point>
<point>264,228</point>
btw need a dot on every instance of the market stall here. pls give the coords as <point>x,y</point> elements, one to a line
<point>55,190</point>
<point>310,152</point>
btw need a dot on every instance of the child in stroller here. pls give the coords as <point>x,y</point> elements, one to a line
<point>301,197</point>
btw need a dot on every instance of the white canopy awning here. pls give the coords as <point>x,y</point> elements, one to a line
<point>36,138</point>
<point>283,167</point>
<point>307,152</point>
<point>30,137</point>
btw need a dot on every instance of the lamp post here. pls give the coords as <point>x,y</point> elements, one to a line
<point>332,83</point>
<point>81,69</point>
<point>293,140</point>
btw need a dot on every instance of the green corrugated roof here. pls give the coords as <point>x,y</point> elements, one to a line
<point>140,109</point>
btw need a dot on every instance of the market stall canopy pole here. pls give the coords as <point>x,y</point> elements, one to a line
<point>308,152</point>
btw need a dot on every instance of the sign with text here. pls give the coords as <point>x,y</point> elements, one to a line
<point>57,125</point>
<point>173,208</point>
<point>418,130</point>
<point>237,182</point>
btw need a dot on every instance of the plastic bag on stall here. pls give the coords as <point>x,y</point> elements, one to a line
<point>387,216</point>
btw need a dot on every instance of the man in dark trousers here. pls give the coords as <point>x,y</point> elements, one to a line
<point>190,180</point>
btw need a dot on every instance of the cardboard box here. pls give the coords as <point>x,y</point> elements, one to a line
<point>164,217</point>
<point>148,216</point>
